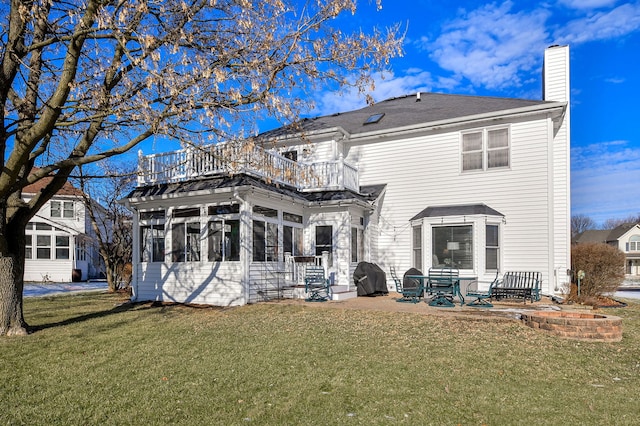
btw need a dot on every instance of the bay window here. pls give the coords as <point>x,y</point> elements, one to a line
<point>453,246</point>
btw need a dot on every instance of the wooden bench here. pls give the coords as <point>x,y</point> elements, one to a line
<point>517,285</point>
<point>316,285</point>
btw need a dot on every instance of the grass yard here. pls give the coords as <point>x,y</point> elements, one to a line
<point>93,361</point>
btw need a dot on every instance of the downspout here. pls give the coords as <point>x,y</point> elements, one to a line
<point>244,257</point>
<point>135,252</point>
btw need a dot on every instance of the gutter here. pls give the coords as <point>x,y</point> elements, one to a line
<point>558,107</point>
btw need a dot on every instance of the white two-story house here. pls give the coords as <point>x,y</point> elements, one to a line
<point>625,237</point>
<point>422,180</point>
<point>60,243</point>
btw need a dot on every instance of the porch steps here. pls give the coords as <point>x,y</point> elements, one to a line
<point>342,292</point>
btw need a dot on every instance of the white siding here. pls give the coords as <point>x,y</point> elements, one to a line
<point>186,282</point>
<point>425,171</point>
<point>557,88</point>
<point>39,270</point>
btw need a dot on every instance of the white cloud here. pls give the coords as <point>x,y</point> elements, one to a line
<point>491,45</point>
<point>617,22</point>
<point>587,4</point>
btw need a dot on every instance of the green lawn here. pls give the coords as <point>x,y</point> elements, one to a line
<point>93,361</point>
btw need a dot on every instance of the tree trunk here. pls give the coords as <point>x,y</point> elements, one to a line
<point>12,321</point>
<point>112,277</point>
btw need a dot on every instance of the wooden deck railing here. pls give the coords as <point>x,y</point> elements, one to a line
<point>231,158</point>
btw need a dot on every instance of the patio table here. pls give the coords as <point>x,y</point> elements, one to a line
<point>443,289</point>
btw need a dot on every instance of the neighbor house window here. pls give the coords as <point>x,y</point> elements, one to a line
<point>492,247</point>
<point>81,250</point>
<point>634,243</point>
<point>224,240</point>
<point>62,247</point>
<point>453,246</point>
<point>43,246</point>
<point>416,242</point>
<point>62,209</point>
<point>28,249</point>
<point>485,149</point>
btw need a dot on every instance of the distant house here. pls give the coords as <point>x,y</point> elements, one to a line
<point>427,179</point>
<point>625,237</point>
<point>60,239</point>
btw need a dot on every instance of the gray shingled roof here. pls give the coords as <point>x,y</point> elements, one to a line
<point>603,235</point>
<point>367,193</point>
<point>457,210</point>
<point>406,111</point>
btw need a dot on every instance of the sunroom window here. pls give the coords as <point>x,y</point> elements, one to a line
<point>152,236</point>
<point>224,240</point>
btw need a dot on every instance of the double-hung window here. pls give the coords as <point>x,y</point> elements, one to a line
<point>62,209</point>
<point>492,246</point>
<point>486,149</point>
<point>62,247</point>
<point>416,242</point>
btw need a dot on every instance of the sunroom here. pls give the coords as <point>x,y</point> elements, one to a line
<point>237,240</point>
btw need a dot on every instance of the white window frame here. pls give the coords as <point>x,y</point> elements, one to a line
<point>485,150</point>
<point>183,223</point>
<point>62,209</point>
<point>153,222</point>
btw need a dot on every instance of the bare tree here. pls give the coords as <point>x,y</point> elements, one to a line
<point>81,81</point>
<point>614,223</point>
<point>581,223</point>
<point>111,222</point>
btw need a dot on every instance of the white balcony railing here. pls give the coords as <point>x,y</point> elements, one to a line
<point>232,158</point>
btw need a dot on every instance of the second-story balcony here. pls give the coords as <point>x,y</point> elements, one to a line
<point>247,158</point>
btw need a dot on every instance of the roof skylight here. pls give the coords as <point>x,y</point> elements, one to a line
<point>374,118</point>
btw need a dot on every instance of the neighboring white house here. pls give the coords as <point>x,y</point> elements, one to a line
<point>625,237</point>
<point>60,244</point>
<point>415,181</point>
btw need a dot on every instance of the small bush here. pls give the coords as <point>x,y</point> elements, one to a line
<point>603,266</point>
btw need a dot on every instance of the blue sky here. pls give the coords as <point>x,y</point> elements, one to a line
<point>496,49</point>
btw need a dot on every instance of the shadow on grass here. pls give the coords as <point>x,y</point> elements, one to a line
<point>118,309</point>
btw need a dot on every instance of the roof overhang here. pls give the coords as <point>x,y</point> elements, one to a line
<point>554,110</point>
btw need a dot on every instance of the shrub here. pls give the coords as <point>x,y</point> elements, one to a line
<point>603,266</point>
